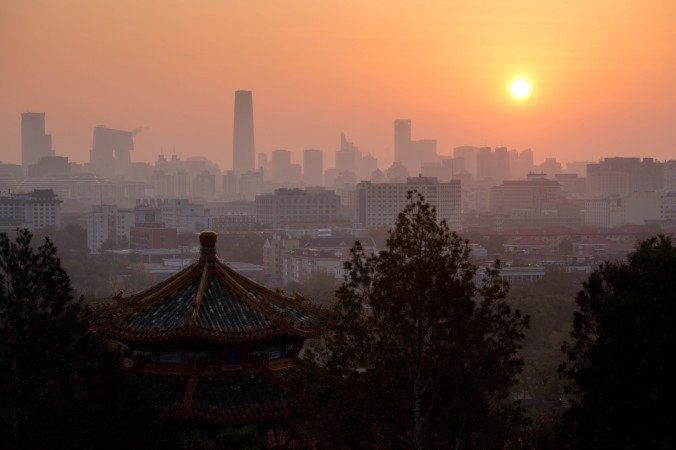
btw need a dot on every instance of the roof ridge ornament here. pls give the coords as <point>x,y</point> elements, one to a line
<point>208,245</point>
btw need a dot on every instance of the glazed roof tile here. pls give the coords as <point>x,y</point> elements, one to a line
<point>207,300</point>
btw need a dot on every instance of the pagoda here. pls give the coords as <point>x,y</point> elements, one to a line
<point>210,346</point>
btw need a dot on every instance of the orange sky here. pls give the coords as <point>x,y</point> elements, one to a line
<point>603,74</point>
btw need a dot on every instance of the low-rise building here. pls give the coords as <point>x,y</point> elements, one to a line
<point>296,206</point>
<point>32,210</point>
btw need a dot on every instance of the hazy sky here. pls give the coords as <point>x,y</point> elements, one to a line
<point>603,74</point>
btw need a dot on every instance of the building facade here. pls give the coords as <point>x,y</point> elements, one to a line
<point>243,151</point>
<point>379,204</point>
<point>38,209</point>
<point>298,206</point>
<point>108,223</point>
<point>35,144</point>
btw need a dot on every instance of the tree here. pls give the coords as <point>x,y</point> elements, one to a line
<point>619,371</point>
<point>60,386</point>
<point>418,354</point>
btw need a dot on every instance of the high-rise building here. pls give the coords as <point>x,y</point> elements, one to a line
<point>34,142</point>
<point>493,165</point>
<point>402,141</point>
<point>313,167</point>
<point>469,154</point>
<point>110,153</point>
<point>412,154</point>
<point>281,169</point>
<point>243,153</point>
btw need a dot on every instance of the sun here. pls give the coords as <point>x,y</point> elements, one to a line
<point>520,89</point>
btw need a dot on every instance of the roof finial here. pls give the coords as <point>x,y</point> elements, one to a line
<point>208,243</point>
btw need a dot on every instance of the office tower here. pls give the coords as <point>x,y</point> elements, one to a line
<point>313,167</point>
<point>402,142</point>
<point>110,153</point>
<point>469,154</point>
<point>493,165</point>
<point>34,142</point>
<point>281,169</point>
<point>263,162</point>
<point>412,154</point>
<point>520,164</point>
<point>348,156</point>
<point>243,154</point>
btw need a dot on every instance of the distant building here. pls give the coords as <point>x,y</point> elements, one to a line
<point>533,194</point>
<point>38,209</point>
<point>379,204</point>
<point>493,165</point>
<point>282,170</point>
<point>286,260</point>
<point>313,167</point>
<point>185,216</point>
<point>603,212</point>
<point>11,176</point>
<point>48,165</point>
<point>571,183</point>
<point>108,223</point>
<point>110,153</point>
<point>402,142</point>
<point>35,144</point>
<point>250,185</point>
<point>520,164</point>
<point>298,206</point>
<point>170,184</point>
<point>348,156</point>
<point>243,152</point>
<point>621,176</point>
<point>412,153</point>
<point>152,236</point>
<point>204,186</point>
<point>469,154</point>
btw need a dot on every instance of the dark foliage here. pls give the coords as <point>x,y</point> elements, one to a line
<point>620,371</point>
<point>60,386</point>
<point>417,353</point>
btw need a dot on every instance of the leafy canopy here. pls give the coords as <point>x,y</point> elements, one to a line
<point>422,348</point>
<point>60,386</point>
<point>620,372</point>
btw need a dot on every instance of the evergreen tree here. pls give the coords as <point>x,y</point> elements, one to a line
<point>620,372</point>
<point>421,349</point>
<point>60,386</point>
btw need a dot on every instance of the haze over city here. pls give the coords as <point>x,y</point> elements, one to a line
<point>601,75</point>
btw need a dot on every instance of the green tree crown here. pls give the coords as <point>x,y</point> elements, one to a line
<point>422,345</point>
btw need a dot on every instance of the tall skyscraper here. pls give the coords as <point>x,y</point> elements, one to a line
<point>412,154</point>
<point>313,167</point>
<point>34,142</point>
<point>243,153</point>
<point>402,141</point>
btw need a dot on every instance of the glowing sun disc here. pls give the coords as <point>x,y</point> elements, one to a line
<point>520,88</point>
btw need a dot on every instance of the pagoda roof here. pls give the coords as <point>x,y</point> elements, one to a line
<point>216,398</point>
<point>207,300</point>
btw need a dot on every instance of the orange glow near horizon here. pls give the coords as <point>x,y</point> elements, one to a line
<point>319,68</point>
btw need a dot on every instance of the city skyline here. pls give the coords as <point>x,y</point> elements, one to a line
<point>318,70</point>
